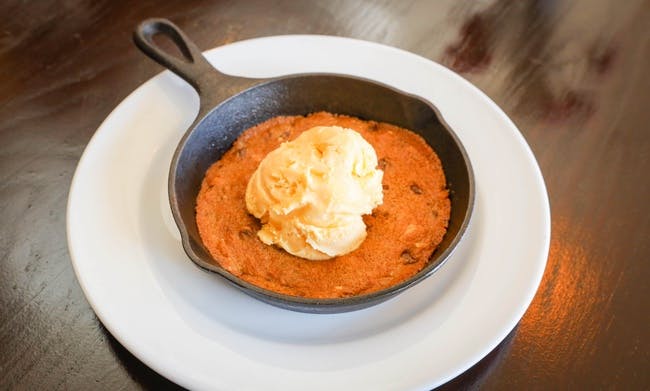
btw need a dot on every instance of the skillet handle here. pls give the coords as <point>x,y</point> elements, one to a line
<point>193,67</point>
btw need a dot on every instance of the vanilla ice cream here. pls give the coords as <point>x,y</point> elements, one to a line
<point>311,193</point>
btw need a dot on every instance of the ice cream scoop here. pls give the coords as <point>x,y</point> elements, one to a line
<point>311,193</point>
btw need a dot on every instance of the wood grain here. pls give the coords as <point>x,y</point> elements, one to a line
<point>573,76</point>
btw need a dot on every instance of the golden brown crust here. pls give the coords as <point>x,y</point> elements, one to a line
<point>402,232</point>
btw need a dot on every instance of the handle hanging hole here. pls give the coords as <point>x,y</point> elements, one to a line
<point>167,45</point>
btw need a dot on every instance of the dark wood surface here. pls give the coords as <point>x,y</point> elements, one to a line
<point>573,75</point>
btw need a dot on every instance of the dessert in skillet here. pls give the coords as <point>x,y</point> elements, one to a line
<point>324,206</point>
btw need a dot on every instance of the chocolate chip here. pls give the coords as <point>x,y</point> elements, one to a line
<point>373,126</point>
<point>379,213</point>
<point>382,163</point>
<point>241,152</point>
<point>415,188</point>
<point>407,258</point>
<point>385,187</point>
<point>246,233</point>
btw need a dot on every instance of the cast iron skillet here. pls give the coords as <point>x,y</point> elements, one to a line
<point>229,105</point>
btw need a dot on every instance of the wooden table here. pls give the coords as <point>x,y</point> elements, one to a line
<point>572,75</point>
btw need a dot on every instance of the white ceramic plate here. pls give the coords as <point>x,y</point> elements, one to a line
<point>193,328</point>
